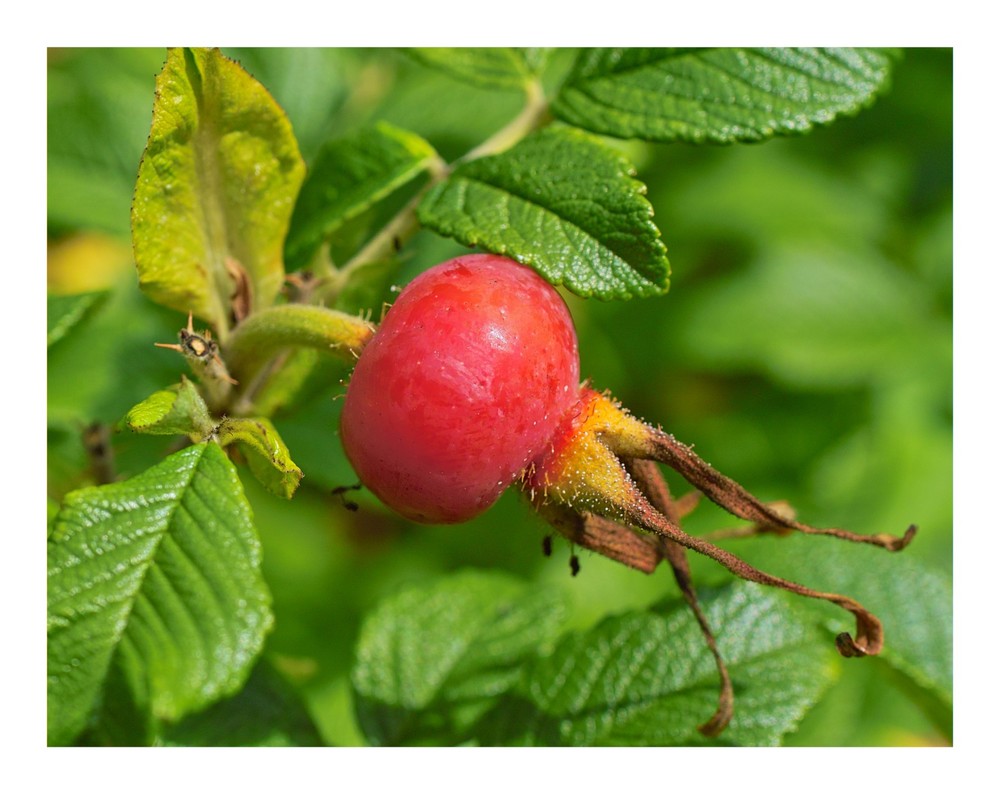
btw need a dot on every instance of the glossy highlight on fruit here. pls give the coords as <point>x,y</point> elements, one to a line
<point>461,388</point>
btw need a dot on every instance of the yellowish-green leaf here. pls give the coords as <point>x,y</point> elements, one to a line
<point>266,453</point>
<point>179,410</point>
<point>216,188</point>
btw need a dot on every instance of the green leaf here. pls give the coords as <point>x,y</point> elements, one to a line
<point>562,202</point>
<point>266,453</point>
<point>159,574</point>
<point>215,189</point>
<point>717,95</point>
<point>647,678</point>
<point>913,602</point>
<point>489,67</point>
<point>65,311</point>
<point>432,658</point>
<point>349,176</point>
<point>179,410</point>
<point>267,712</point>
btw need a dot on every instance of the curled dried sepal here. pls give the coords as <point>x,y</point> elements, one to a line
<point>733,497</point>
<point>650,481</point>
<point>585,472</point>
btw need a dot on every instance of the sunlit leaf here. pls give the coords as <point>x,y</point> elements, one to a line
<point>179,410</point>
<point>562,202</point>
<point>159,575</point>
<point>215,189</point>
<point>719,94</point>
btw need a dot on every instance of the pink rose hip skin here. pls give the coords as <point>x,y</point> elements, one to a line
<point>461,388</point>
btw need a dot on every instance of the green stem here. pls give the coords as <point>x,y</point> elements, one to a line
<point>400,228</point>
<point>265,333</point>
<point>534,115</point>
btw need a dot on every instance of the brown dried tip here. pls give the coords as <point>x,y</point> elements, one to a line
<point>202,354</point>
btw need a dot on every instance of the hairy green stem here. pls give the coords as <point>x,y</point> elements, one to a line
<point>265,333</point>
<point>534,115</point>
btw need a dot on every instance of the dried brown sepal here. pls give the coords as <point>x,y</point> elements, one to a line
<point>733,497</point>
<point>241,300</point>
<point>868,638</point>
<point>644,553</point>
<point>602,535</point>
<point>585,472</point>
<point>650,481</point>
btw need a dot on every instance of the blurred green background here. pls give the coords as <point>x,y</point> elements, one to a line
<point>804,348</point>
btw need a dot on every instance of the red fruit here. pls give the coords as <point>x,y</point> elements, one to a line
<point>461,387</point>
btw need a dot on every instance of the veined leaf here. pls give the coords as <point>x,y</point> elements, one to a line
<point>266,453</point>
<point>179,410</point>
<point>159,574</point>
<point>717,94</point>
<point>913,602</point>
<point>350,175</point>
<point>562,202</point>
<point>432,658</point>
<point>489,67</point>
<point>215,189</point>
<point>646,678</point>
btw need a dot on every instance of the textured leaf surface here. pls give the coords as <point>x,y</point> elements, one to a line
<point>562,202</point>
<point>216,186</point>
<point>489,67</point>
<point>267,455</point>
<point>431,658</point>
<point>913,602</point>
<point>179,410</point>
<point>160,574</point>
<point>720,95</point>
<point>646,678</point>
<point>349,176</point>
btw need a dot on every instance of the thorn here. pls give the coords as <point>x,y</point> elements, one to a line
<point>225,375</point>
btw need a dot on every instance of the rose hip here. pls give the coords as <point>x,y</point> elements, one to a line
<point>461,388</point>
